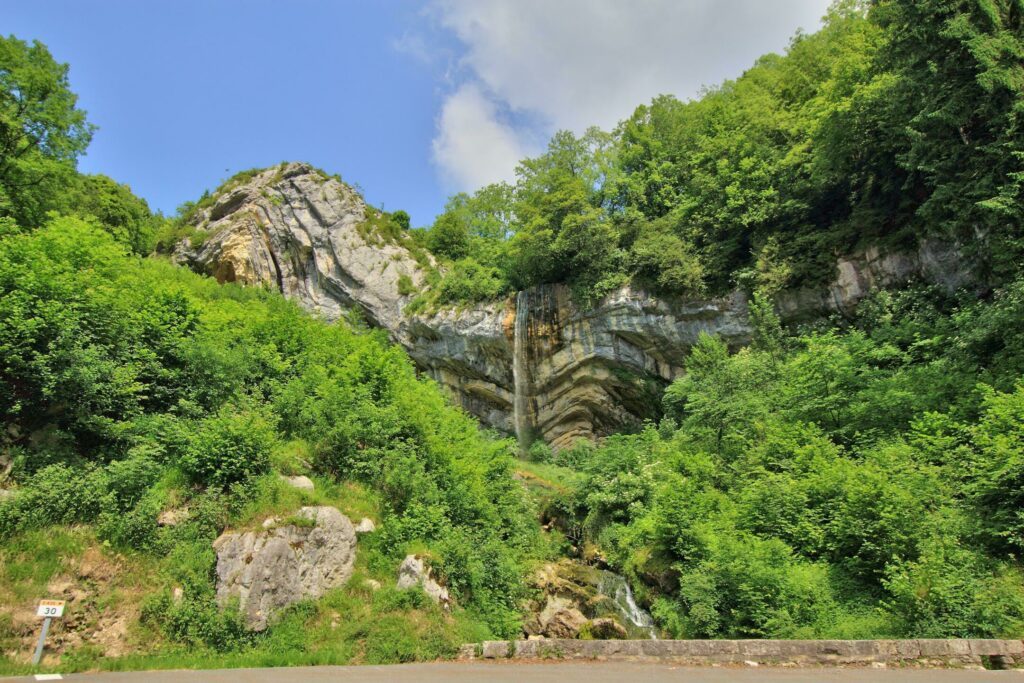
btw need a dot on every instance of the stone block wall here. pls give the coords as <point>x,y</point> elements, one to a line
<point>965,652</point>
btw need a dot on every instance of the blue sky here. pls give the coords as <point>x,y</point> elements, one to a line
<point>410,100</point>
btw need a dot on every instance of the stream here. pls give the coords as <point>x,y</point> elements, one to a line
<point>635,619</point>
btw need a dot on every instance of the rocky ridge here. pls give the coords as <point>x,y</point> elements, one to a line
<point>537,364</point>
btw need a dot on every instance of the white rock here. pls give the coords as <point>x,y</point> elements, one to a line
<point>365,526</point>
<point>413,572</point>
<point>273,568</point>
<point>300,482</point>
<point>172,517</point>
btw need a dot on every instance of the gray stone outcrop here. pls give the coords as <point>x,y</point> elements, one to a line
<point>414,572</point>
<point>561,618</point>
<point>270,569</point>
<point>365,526</point>
<point>308,235</point>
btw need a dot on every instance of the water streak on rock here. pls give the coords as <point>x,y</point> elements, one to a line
<point>617,588</point>
<point>520,381</point>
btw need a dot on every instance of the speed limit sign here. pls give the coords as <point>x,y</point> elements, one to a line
<point>50,609</point>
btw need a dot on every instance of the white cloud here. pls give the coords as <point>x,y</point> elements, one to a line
<point>473,147</point>
<point>575,63</point>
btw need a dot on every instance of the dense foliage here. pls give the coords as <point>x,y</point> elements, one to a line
<point>896,121</point>
<point>840,482</point>
<point>122,374</point>
<point>857,478</point>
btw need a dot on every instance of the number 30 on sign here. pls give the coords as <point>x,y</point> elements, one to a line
<point>52,609</point>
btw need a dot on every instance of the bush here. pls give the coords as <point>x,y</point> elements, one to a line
<point>405,285</point>
<point>198,621</point>
<point>468,281</point>
<point>540,452</point>
<point>667,263</point>
<point>229,448</point>
<point>401,219</point>
<point>56,494</point>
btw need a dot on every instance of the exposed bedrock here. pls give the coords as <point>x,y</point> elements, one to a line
<point>581,372</point>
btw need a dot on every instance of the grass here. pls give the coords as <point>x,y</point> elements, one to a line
<point>546,477</point>
<point>352,624</point>
<point>28,562</point>
<point>70,563</point>
<point>277,498</point>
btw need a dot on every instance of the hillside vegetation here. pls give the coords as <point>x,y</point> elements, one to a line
<point>133,386</point>
<point>858,477</point>
<point>837,483</point>
<point>895,122</point>
<point>130,388</point>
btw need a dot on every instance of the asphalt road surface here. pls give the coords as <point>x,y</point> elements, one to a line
<point>545,672</point>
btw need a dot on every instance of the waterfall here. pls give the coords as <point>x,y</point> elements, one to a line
<point>520,405</point>
<point>617,589</point>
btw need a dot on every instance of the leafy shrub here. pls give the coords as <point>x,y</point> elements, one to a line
<point>540,452</point>
<point>469,281</point>
<point>229,447</point>
<point>668,263</point>
<point>401,219</point>
<point>56,494</point>
<point>198,621</point>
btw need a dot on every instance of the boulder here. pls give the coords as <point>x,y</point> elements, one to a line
<point>365,526</point>
<point>270,569</point>
<point>414,572</point>
<point>172,517</point>
<point>561,618</point>
<point>300,482</point>
<point>606,629</point>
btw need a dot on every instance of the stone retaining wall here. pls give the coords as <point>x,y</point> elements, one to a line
<point>990,653</point>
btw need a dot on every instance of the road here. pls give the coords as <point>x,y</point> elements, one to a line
<point>545,672</point>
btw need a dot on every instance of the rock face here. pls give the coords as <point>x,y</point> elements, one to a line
<point>560,618</point>
<point>365,526</point>
<point>271,569</point>
<point>606,628</point>
<point>414,572</point>
<point>581,372</point>
<point>537,364</point>
<point>573,595</point>
<point>311,236</point>
<point>934,261</point>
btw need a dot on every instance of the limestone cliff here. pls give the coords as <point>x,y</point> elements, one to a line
<point>536,364</point>
<point>582,371</point>
<point>311,236</point>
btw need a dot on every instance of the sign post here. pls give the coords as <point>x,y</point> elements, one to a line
<point>48,610</point>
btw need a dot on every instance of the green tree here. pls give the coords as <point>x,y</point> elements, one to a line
<point>957,90</point>
<point>42,132</point>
